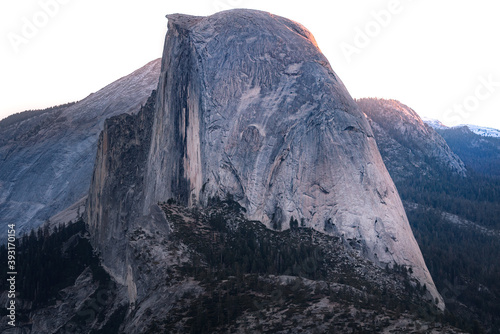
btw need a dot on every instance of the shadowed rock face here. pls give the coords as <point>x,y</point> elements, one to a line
<point>46,161</point>
<point>247,105</point>
<point>117,183</point>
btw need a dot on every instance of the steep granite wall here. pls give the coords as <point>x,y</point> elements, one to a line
<point>114,199</point>
<point>247,105</point>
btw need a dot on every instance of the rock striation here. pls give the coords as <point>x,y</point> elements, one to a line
<point>248,107</point>
<point>117,184</point>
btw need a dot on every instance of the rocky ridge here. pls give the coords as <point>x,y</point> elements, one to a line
<point>481,154</point>
<point>46,161</point>
<point>409,146</point>
<point>211,270</point>
<point>453,217</point>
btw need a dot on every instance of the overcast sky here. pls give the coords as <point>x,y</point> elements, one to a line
<point>441,58</point>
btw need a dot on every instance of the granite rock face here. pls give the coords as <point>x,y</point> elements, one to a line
<point>114,199</point>
<point>408,145</point>
<point>46,161</point>
<point>248,106</point>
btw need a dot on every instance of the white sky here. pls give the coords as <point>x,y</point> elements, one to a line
<point>441,58</point>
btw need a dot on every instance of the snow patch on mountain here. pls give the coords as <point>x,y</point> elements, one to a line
<point>479,130</point>
<point>483,131</point>
<point>434,123</point>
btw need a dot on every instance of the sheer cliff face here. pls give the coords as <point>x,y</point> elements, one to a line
<point>117,184</point>
<point>247,105</point>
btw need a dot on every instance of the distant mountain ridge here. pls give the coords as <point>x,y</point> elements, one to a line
<point>477,146</point>
<point>27,114</point>
<point>47,156</point>
<point>455,217</point>
<point>483,131</point>
<point>479,130</point>
<point>480,153</point>
<point>407,144</point>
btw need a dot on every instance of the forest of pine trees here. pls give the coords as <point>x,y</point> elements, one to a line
<point>464,262</point>
<point>50,261</point>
